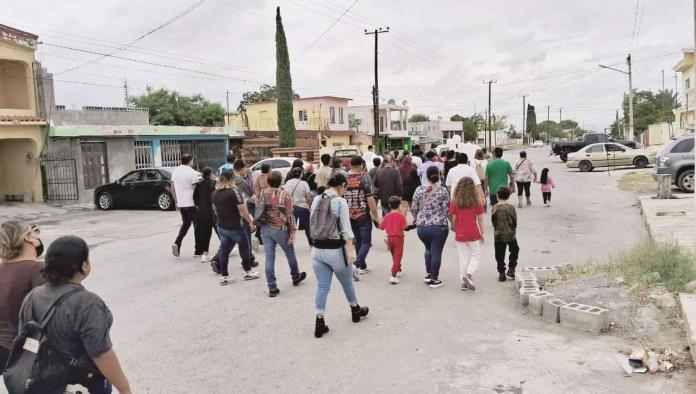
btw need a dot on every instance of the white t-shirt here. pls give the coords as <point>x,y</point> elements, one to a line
<point>458,172</point>
<point>184,179</point>
<point>417,161</point>
<point>368,157</point>
<point>298,189</point>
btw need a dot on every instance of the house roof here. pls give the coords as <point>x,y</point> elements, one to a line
<point>18,37</point>
<point>22,119</point>
<point>144,130</point>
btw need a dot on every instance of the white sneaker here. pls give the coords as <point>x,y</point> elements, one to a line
<point>226,280</point>
<point>175,250</point>
<point>400,274</point>
<point>469,280</point>
<point>251,275</point>
<point>394,280</point>
<point>548,205</point>
<point>363,271</point>
<point>356,274</point>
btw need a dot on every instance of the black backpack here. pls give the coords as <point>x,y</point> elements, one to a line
<point>34,365</point>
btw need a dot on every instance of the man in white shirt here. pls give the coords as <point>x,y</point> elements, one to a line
<point>184,179</point>
<point>416,159</point>
<point>369,156</point>
<point>460,171</point>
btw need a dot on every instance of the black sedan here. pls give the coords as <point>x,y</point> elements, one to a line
<point>147,187</point>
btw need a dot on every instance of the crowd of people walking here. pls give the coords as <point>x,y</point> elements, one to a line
<point>45,306</point>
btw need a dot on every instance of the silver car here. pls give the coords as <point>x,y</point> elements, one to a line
<point>677,160</point>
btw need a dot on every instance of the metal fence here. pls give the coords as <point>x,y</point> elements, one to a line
<point>206,153</point>
<point>143,154</point>
<point>59,179</point>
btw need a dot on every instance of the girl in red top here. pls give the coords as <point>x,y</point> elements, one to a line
<point>466,215</point>
<point>394,223</point>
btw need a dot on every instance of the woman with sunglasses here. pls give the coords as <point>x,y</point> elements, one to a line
<point>20,246</point>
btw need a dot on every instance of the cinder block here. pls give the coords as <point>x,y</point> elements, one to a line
<point>536,302</point>
<point>525,291</point>
<point>543,274</point>
<point>585,317</point>
<point>552,308</point>
<point>522,276</point>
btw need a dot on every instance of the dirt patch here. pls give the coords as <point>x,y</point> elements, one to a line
<point>638,182</point>
<point>646,317</point>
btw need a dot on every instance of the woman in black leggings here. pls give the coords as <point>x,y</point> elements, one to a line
<point>525,174</point>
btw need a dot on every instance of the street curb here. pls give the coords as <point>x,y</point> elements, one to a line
<point>688,306</point>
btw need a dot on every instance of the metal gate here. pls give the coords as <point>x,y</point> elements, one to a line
<point>59,179</point>
<point>206,153</point>
<point>94,167</point>
<point>143,154</point>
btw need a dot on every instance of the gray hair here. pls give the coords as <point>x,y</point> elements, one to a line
<point>12,238</point>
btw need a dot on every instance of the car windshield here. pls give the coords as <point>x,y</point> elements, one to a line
<point>346,153</point>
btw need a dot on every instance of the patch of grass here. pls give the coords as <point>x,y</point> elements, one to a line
<point>675,265</point>
<point>639,182</point>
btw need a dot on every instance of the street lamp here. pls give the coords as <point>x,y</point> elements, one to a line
<point>630,94</point>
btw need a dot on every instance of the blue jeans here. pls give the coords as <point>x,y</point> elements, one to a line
<point>327,262</point>
<point>433,237</point>
<point>271,237</point>
<point>229,238</point>
<point>363,242</point>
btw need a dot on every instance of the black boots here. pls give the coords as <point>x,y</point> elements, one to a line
<point>511,273</point>
<point>501,277</point>
<point>320,328</point>
<point>303,276</point>
<point>358,312</point>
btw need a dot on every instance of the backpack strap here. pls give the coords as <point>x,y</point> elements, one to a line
<point>48,315</point>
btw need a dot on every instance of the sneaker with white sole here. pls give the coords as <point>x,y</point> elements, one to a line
<point>363,271</point>
<point>175,250</point>
<point>400,274</point>
<point>469,280</point>
<point>356,273</point>
<point>226,280</point>
<point>205,258</point>
<point>251,275</point>
<point>394,280</point>
<point>435,284</point>
<point>427,279</point>
<point>465,287</point>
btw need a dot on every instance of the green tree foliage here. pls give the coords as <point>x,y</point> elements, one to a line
<point>286,122</point>
<point>532,123</point>
<point>171,108</point>
<point>649,108</point>
<point>418,118</point>
<point>265,93</point>
<point>470,130</point>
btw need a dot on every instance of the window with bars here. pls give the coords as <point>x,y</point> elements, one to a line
<point>302,116</point>
<point>340,115</point>
<point>208,153</point>
<point>143,154</point>
<point>332,114</point>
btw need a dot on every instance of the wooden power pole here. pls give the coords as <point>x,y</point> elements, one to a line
<point>375,90</point>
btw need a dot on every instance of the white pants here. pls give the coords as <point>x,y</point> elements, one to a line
<point>469,254</point>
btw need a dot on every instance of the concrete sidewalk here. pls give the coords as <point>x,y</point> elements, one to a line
<point>671,220</point>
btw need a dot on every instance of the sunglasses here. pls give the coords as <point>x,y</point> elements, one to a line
<point>35,229</point>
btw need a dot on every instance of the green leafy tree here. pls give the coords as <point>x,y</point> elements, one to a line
<point>286,122</point>
<point>617,128</point>
<point>470,130</point>
<point>649,108</point>
<point>265,93</point>
<point>418,118</point>
<point>171,108</point>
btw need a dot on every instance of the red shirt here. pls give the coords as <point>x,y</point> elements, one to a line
<point>466,227</point>
<point>394,223</point>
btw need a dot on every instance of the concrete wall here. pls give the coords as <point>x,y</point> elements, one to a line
<point>20,147</point>
<point>9,55</point>
<point>70,117</point>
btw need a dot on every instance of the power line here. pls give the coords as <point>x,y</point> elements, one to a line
<point>635,22</point>
<point>124,46</point>
<point>325,31</point>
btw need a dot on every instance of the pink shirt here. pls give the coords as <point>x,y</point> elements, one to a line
<point>548,186</point>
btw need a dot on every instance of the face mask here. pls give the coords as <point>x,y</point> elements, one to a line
<point>39,249</point>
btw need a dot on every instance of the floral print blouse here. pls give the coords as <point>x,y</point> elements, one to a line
<point>432,212</point>
<point>524,171</point>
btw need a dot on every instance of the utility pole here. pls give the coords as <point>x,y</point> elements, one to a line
<point>490,82</point>
<point>617,121</point>
<point>548,122</point>
<point>663,79</point>
<point>630,97</point>
<point>125,93</point>
<point>560,116</point>
<point>228,108</point>
<point>524,116</point>
<point>375,90</point>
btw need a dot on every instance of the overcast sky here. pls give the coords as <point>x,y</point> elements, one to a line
<point>436,55</point>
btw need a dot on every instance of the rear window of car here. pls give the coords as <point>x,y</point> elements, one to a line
<point>346,153</point>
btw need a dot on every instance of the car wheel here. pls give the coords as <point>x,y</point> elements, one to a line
<point>564,157</point>
<point>585,166</point>
<point>686,181</point>
<point>164,201</point>
<point>105,202</point>
<point>640,162</point>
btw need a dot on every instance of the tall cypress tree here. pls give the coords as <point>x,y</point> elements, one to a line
<point>532,131</point>
<point>286,123</point>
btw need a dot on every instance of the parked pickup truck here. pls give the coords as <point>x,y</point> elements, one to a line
<point>563,148</point>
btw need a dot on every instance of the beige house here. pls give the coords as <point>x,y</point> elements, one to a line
<point>685,114</point>
<point>22,129</point>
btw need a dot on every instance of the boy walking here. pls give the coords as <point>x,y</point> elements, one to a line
<point>504,219</point>
<point>394,224</point>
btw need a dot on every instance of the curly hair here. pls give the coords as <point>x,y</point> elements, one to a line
<point>465,193</point>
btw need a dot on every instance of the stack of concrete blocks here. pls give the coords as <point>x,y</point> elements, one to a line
<point>542,303</point>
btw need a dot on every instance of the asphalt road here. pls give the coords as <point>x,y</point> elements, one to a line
<point>177,331</point>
